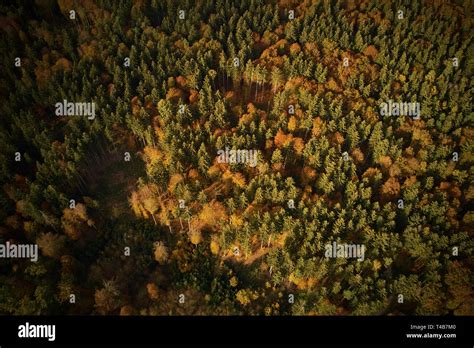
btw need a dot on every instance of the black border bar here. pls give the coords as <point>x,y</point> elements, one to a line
<point>243,331</point>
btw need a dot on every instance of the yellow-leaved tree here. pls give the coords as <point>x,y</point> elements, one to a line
<point>161,252</point>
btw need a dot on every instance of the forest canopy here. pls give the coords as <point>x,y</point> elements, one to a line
<point>240,157</point>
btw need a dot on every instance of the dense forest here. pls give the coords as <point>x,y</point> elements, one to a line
<point>135,213</point>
